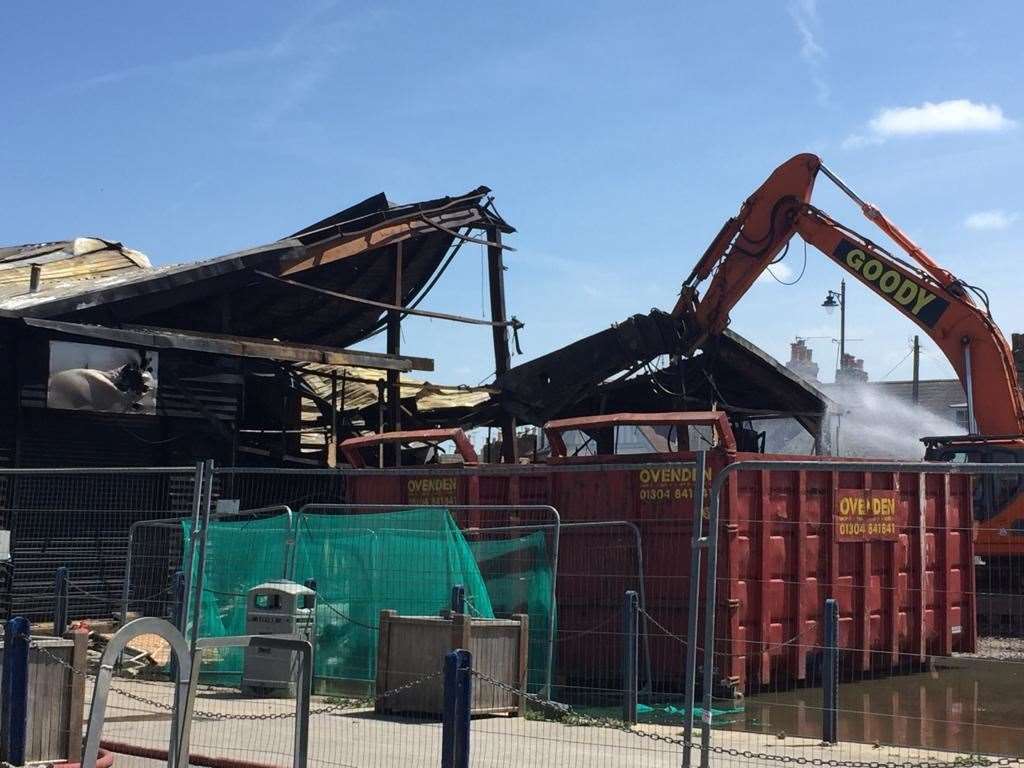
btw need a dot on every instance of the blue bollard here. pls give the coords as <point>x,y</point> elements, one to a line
<point>458,599</point>
<point>60,603</point>
<point>830,675</point>
<point>630,652</point>
<point>463,708</point>
<point>14,704</point>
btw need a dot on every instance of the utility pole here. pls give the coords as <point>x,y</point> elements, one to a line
<point>917,365</point>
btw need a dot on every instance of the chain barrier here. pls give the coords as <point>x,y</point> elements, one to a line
<point>96,598</point>
<point>562,636</point>
<point>319,601</point>
<point>562,710</point>
<point>341,614</point>
<point>344,705</point>
<point>579,718</point>
<point>669,633</point>
<point>682,640</point>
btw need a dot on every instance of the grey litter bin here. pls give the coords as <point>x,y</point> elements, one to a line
<point>276,608</point>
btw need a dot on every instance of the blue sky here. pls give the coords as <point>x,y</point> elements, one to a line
<point>617,139</point>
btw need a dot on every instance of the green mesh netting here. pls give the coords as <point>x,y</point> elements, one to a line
<point>517,573</point>
<point>405,561</point>
<point>239,555</point>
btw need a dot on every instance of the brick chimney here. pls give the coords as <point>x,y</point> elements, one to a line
<point>801,362</point>
<point>851,370</point>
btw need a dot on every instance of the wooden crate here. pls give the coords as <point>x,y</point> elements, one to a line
<point>410,647</point>
<point>56,697</point>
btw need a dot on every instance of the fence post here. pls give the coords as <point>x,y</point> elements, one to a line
<point>463,708</point>
<point>630,650</point>
<point>14,705</point>
<point>60,602</point>
<point>198,561</point>
<point>830,675</point>
<point>451,683</point>
<point>690,679</point>
<point>178,600</point>
<point>458,599</point>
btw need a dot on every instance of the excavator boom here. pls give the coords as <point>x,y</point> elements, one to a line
<point>923,291</point>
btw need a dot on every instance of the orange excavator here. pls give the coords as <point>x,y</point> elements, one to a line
<point>954,314</point>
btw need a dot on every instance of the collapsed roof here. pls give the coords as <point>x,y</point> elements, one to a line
<point>329,285</point>
<point>586,377</point>
<point>302,299</point>
<point>611,371</point>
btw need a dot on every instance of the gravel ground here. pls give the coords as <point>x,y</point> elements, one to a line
<point>1002,648</point>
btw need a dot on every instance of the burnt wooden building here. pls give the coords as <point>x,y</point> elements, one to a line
<point>109,362</point>
<point>227,349</point>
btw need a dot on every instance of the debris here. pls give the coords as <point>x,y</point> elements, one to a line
<point>146,654</point>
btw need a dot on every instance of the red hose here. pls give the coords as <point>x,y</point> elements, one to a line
<point>153,753</point>
<point>105,759</point>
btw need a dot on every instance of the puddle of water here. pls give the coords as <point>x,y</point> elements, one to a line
<point>976,706</point>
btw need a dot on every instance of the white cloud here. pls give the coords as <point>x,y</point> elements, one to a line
<point>952,116</point>
<point>988,220</point>
<point>780,272</point>
<point>808,26</point>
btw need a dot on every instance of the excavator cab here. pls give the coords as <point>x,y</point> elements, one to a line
<point>999,531</point>
<point>993,494</point>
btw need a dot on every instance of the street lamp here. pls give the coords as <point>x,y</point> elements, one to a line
<point>832,300</point>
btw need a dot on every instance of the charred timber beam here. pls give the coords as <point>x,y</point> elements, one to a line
<point>234,346</point>
<point>377,237</point>
<point>466,238</point>
<point>385,305</point>
<point>502,354</point>
<point>394,347</point>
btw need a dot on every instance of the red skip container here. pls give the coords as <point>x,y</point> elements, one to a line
<point>895,549</point>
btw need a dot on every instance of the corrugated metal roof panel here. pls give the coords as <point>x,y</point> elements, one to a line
<point>358,386</point>
<point>66,264</point>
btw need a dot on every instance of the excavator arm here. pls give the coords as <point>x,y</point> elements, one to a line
<point>930,296</point>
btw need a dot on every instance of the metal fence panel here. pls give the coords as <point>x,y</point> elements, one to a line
<point>893,544</point>
<point>80,519</point>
